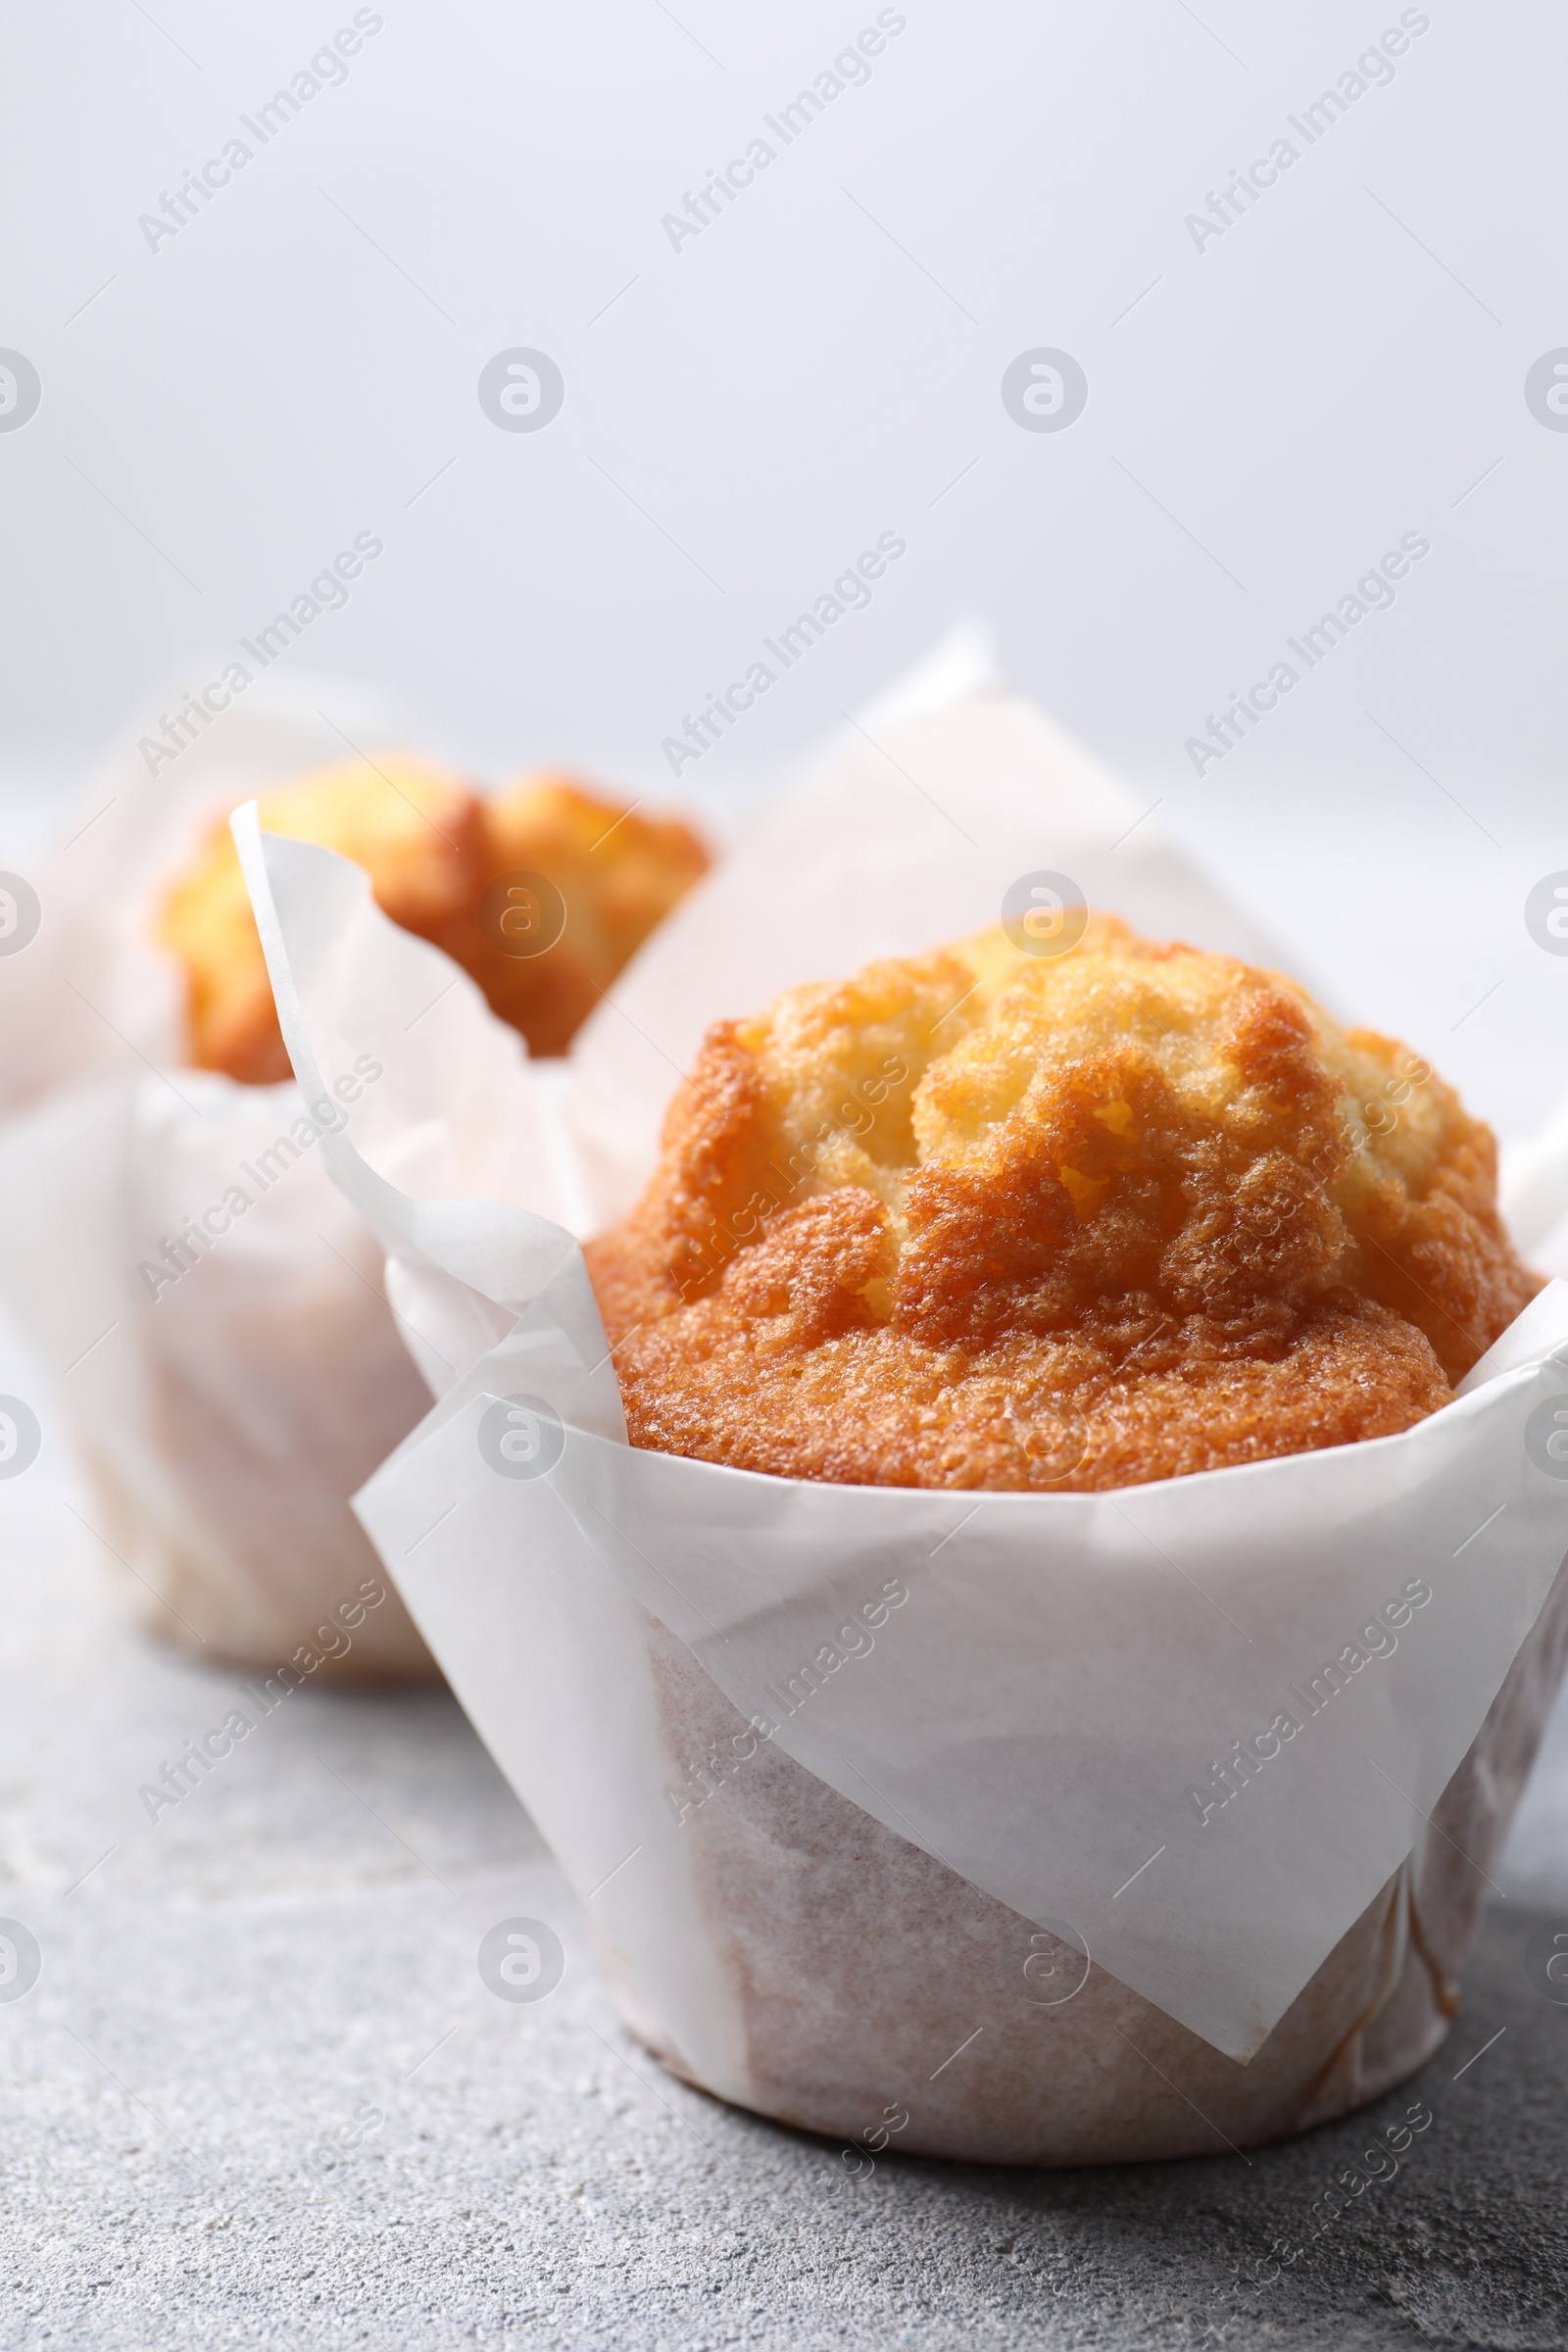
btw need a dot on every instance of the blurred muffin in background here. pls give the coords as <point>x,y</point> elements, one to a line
<point>574,884</point>
<point>542,894</point>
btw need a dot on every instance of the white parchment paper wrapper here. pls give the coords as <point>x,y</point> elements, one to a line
<point>226,1420</point>
<point>1060,1672</point>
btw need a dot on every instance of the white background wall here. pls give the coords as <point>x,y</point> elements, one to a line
<point>1342,366</point>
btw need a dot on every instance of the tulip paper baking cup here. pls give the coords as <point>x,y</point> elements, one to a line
<point>173,1246</point>
<point>1004,1813</point>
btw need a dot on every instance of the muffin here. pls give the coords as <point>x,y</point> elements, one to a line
<point>541,894</point>
<point>989,1219</point>
<point>261,1373</point>
<point>912,1230</point>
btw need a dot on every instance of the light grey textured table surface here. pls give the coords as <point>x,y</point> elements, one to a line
<point>259,2094</point>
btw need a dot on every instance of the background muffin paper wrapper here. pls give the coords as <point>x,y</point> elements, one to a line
<point>1064,1670</point>
<point>226,1418</point>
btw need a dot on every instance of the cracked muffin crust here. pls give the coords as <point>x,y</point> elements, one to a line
<point>984,1219</point>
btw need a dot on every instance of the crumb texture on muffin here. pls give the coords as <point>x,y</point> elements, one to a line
<point>439,856</point>
<point>985,1219</point>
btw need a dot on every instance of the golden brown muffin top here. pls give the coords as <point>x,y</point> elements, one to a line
<point>985,1219</point>
<point>440,858</point>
